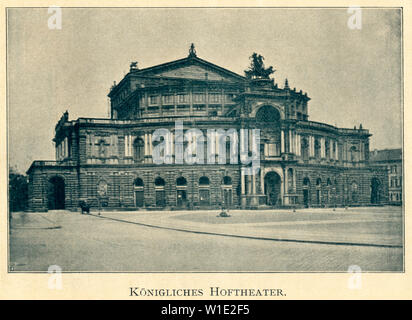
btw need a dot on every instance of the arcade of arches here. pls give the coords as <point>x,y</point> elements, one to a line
<point>185,191</point>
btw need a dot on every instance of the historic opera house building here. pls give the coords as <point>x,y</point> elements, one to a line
<point>109,162</point>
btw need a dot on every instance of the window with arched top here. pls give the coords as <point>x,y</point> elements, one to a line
<point>138,150</point>
<point>304,148</point>
<point>181,182</point>
<point>138,182</point>
<point>267,114</point>
<point>204,192</point>
<point>353,154</point>
<point>318,182</point>
<point>159,182</point>
<point>204,181</point>
<point>227,181</point>
<point>138,192</point>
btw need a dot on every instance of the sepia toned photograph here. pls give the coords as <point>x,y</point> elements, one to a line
<point>205,140</point>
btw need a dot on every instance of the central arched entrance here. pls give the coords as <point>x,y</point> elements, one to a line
<point>375,186</point>
<point>56,193</point>
<point>272,189</point>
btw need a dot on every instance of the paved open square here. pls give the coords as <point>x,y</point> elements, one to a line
<point>307,240</point>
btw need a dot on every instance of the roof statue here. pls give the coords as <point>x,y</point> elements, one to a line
<point>192,51</point>
<point>257,68</point>
<point>133,65</point>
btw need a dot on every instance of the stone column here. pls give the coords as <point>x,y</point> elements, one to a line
<point>243,195</point>
<point>286,183</point>
<point>322,147</point>
<point>311,146</point>
<point>282,141</point>
<point>254,200</point>
<point>262,181</point>
<point>242,184</point>
<point>336,151</point>
<point>146,145</point>
<point>150,147</point>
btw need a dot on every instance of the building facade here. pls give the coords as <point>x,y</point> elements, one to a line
<point>110,162</point>
<point>391,160</point>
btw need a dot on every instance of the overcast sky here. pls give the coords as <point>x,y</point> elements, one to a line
<point>352,76</point>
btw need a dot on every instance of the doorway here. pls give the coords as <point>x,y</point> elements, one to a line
<point>56,193</point>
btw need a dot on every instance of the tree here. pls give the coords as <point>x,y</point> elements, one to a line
<point>257,68</point>
<point>18,191</point>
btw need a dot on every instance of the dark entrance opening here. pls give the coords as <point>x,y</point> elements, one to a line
<point>181,194</point>
<point>160,192</point>
<point>306,192</point>
<point>56,193</point>
<point>272,189</point>
<point>375,186</point>
<point>204,193</point>
<point>227,191</point>
<point>139,193</point>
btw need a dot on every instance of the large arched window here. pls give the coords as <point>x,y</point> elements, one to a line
<point>227,181</point>
<point>138,150</point>
<point>204,181</point>
<point>181,181</point>
<point>159,182</point>
<point>138,182</point>
<point>267,114</point>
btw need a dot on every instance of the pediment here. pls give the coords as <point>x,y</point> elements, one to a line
<point>192,68</point>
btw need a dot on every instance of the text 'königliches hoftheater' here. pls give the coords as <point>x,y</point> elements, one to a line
<point>109,162</point>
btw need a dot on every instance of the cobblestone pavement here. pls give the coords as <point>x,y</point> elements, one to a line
<point>317,240</point>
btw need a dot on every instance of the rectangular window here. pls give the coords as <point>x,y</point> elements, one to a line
<point>198,97</point>
<point>154,100</point>
<point>229,97</point>
<point>273,150</point>
<point>183,98</point>
<point>168,99</point>
<point>214,97</point>
<point>168,108</point>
